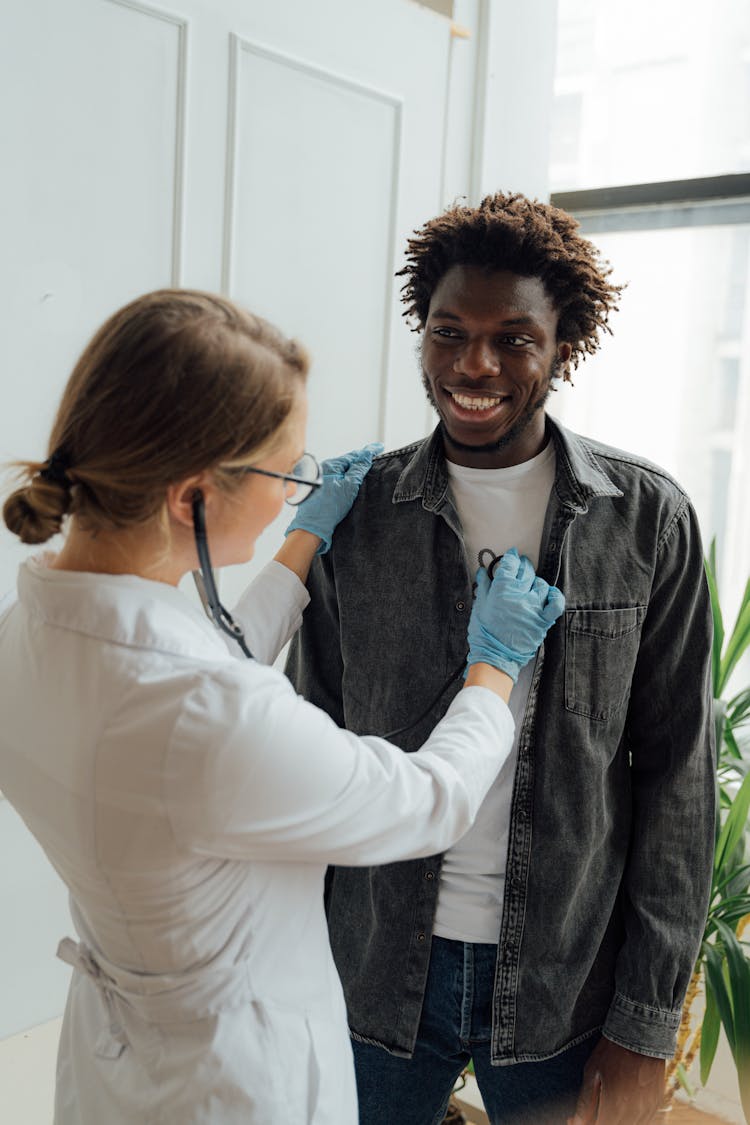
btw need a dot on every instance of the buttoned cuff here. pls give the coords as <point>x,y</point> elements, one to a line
<point>642,1027</point>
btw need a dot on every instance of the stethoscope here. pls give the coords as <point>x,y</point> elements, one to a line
<point>490,566</point>
<point>205,583</point>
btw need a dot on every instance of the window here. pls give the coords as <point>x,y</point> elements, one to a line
<point>651,152</point>
<point>665,90</point>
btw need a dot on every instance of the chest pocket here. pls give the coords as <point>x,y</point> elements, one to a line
<point>601,646</point>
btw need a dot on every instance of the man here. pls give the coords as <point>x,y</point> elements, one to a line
<point>554,943</point>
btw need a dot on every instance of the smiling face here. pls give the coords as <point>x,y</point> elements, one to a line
<point>489,352</point>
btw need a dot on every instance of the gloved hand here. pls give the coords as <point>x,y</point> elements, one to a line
<point>511,614</point>
<point>327,506</point>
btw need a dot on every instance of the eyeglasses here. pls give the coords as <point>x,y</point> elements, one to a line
<point>306,474</point>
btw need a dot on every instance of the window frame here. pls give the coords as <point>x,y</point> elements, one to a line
<point>705,201</point>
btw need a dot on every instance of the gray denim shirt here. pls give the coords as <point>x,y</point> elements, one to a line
<point>612,818</point>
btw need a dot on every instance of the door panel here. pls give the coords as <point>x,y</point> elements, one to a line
<point>90,216</point>
<point>324,267</point>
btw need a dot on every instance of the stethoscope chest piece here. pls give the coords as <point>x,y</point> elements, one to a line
<point>489,560</point>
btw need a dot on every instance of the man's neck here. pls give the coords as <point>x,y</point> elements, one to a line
<point>501,455</point>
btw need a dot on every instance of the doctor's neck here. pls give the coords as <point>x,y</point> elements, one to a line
<point>149,550</point>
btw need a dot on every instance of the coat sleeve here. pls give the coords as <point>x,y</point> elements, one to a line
<point>671,742</point>
<point>270,611</point>
<point>256,772</point>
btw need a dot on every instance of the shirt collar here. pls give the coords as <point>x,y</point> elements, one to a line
<point>119,608</point>
<point>579,476</point>
<point>425,477</point>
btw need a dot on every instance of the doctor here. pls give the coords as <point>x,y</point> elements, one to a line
<point>189,799</point>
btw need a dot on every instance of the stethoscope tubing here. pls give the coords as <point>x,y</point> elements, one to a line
<point>206,584</point>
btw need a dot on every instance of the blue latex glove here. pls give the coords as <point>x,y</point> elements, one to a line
<point>511,614</point>
<point>327,506</point>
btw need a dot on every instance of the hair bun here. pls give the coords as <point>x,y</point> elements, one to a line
<point>35,512</point>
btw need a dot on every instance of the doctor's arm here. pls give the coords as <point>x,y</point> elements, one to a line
<point>262,774</point>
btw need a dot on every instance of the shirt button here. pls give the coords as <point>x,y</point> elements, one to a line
<point>460,606</point>
<point>429,875</point>
<point>421,937</point>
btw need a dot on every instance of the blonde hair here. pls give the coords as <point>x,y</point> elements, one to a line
<point>176,382</point>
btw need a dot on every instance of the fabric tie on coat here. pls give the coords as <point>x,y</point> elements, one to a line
<point>163,997</point>
<point>111,1041</point>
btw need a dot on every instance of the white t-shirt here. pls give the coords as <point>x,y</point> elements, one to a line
<point>499,509</point>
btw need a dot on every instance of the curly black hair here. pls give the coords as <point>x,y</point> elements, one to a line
<point>533,239</point>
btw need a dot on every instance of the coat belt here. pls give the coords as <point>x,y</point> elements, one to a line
<point>160,997</point>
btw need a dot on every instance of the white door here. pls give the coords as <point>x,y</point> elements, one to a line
<point>280,151</point>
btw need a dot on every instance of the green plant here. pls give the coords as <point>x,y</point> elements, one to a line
<point>723,966</point>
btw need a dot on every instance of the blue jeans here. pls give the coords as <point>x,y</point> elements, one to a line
<point>455,1027</point>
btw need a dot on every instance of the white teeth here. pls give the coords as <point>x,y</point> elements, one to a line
<point>474,402</point>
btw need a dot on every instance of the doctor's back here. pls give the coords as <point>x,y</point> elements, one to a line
<point>126,748</point>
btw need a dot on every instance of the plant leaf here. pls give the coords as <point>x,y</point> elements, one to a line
<point>738,968</point>
<point>725,800</point>
<point>734,827</point>
<point>720,884</point>
<point>715,984</point>
<point>718,641</point>
<point>684,1081</point>
<point>738,708</point>
<point>709,1035</point>
<point>725,956</point>
<point>738,641</point>
<point>736,905</point>
<point>730,741</point>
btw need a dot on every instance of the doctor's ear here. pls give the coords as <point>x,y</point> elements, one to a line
<point>180,496</point>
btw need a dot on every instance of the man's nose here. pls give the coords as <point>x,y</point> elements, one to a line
<point>477,359</point>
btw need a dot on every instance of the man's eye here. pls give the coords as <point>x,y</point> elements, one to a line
<point>517,341</point>
<point>445,333</point>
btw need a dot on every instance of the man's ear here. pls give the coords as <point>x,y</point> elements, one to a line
<point>564,352</point>
<point>180,497</point>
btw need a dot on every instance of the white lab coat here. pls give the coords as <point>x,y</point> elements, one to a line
<point>191,802</point>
